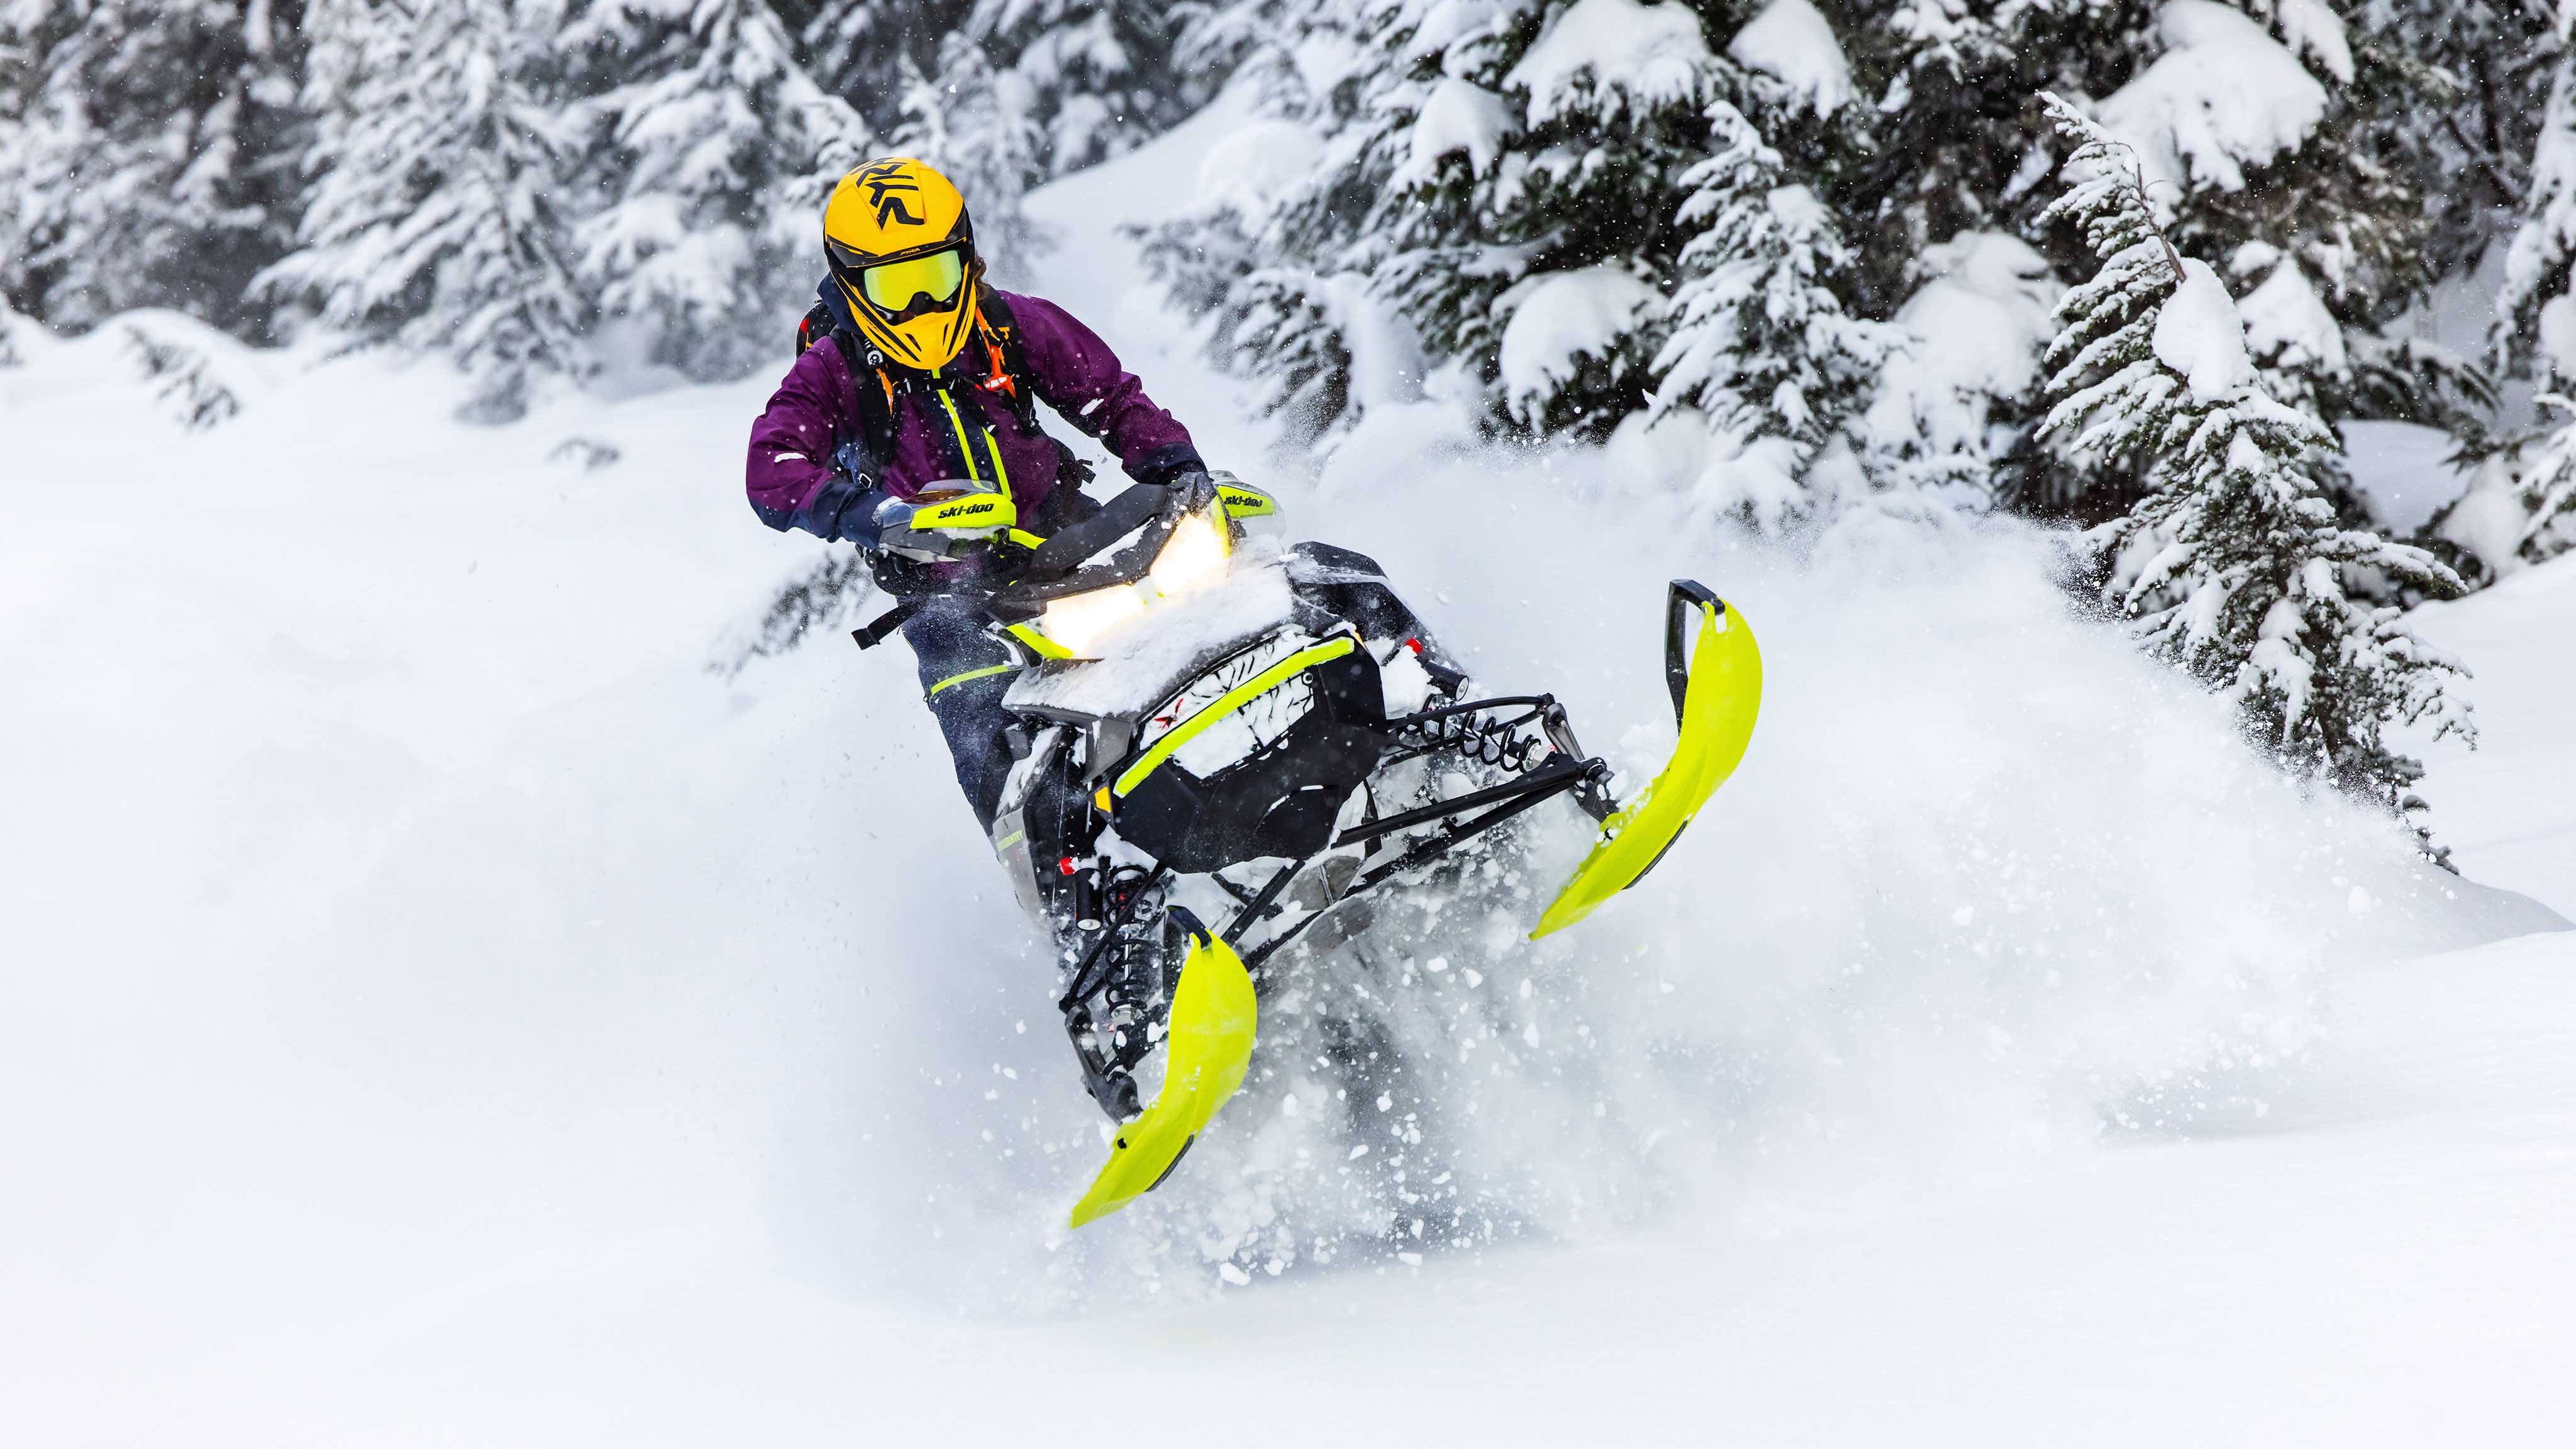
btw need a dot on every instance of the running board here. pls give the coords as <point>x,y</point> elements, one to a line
<point>1717,692</point>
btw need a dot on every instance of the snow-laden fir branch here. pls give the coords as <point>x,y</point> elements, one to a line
<point>2232,565</point>
<point>1759,342</point>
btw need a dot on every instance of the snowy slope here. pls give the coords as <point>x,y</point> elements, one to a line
<point>2508,810</point>
<point>437,1008</point>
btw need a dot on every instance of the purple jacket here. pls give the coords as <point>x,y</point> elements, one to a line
<point>815,410</point>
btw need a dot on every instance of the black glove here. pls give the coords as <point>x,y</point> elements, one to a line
<point>1192,490</point>
<point>902,577</point>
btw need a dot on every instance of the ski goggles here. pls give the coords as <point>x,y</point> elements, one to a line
<point>905,289</point>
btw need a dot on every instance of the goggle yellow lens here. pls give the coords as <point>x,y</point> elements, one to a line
<point>895,286</point>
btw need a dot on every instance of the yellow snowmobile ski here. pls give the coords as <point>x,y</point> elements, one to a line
<point>1204,1054</point>
<point>1717,691</point>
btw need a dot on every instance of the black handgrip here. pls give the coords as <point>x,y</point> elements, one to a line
<point>1677,612</point>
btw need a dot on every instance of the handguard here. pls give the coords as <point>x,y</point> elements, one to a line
<point>948,520</point>
<point>1204,1055</point>
<point>1717,691</point>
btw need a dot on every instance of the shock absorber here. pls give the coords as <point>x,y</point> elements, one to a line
<point>1499,742</point>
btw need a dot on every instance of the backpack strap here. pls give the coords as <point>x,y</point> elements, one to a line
<point>829,319</point>
<point>1007,357</point>
<point>814,327</point>
<point>873,394</point>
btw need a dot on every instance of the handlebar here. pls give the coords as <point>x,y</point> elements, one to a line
<point>1070,563</point>
<point>1133,508</point>
<point>1012,579</point>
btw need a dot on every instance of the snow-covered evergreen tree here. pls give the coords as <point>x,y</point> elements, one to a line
<point>859,48</point>
<point>1257,258</point>
<point>711,152</point>
<point>2520,506</point>
<point>2232,563</point>
<point>1759,344</point>
<point>977,125</point>
<point>148,156</point>
<point>2260,126</point>
<point>1954,412</point>
<point>2452,93</point>
<point>1226,41</point>
<point>438,212</point>
<point>1099,76</point>
<point>1500,185</point>
<point>2518,509</point>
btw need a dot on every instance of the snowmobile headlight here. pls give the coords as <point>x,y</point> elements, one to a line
<point>1194,556</point>
<point>1078,621</point>
<point>1191,559</point>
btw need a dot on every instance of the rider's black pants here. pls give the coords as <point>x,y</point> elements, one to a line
<point>964,674</point>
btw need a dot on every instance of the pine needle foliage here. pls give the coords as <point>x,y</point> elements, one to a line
<point>437,218</point>
<point>1760,342</point>
<point>2232,565</point>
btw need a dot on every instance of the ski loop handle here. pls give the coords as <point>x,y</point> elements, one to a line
<point>1677,614</point>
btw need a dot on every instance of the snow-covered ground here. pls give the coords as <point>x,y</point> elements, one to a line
<point>436,1007</point>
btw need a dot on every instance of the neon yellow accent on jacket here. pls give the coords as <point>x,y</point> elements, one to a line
<point>965,445</point>
<point>1213,1022</point>
<point>967,438</point>
<point>1226,704</point>
<point>1719,703</point>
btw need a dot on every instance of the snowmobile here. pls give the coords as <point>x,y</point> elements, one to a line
<point>1226,749</point>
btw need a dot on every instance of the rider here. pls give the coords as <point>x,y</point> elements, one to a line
<point>914,370</point>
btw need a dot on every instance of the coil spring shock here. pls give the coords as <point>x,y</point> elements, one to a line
<point>1123,901</point>
<point>1495,742</point>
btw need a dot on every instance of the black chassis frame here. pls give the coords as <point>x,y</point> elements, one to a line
<point>1129,904</point>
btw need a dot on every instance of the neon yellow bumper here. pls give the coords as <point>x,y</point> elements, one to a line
<point>1718,705</point>
<point>1204,1056</point>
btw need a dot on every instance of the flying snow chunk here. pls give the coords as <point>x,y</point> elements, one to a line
<point>1606,57</point>
<point>1563,320</point>
<point>1792,42</point>
<point>2200,335</point>
<point>2223,96</point>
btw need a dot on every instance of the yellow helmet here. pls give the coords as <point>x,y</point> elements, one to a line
<point>902,250</point>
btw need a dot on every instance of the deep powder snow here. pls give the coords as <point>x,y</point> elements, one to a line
<point>442,1008</point>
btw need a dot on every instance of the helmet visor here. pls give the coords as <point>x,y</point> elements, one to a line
<point>915,285</point>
